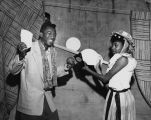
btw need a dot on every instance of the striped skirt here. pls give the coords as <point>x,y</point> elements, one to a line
<point>119,106</point>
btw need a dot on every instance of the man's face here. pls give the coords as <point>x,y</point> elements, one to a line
<point>49,36</point>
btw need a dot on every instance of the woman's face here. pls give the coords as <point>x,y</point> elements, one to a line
<point>116,47</point>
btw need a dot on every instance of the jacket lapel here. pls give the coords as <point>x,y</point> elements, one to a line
<point>37,57</point>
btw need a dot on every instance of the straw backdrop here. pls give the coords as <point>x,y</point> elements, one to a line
<point>14,15</point>
<point>141,31</point>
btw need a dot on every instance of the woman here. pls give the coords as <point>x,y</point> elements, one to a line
<point>120,103</point>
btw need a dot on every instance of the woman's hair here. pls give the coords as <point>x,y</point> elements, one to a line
<point>116,37</point>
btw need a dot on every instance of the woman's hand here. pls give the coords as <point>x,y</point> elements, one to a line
<point>85,67</point>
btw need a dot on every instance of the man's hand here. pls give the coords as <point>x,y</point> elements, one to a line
<point>22,50</point>
<point>70,62</point>
<point>62,71</point>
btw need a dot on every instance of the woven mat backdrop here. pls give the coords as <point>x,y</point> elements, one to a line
<point>28,14</point>
<point>14,15</point>
<point>141,31</point>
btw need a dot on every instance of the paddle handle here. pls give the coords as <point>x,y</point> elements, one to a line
<point>72,51</point>
<point>65,49</point>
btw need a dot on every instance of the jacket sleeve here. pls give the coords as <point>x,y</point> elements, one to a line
<point>16,65</point>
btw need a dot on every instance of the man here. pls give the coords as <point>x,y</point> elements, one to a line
<point>38,76</point>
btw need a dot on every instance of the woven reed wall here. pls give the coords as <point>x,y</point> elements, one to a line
<point>141,31</point>
<point>17,14</point>
<point>14,15</point>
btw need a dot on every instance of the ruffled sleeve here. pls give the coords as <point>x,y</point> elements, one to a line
<point>113,60</point>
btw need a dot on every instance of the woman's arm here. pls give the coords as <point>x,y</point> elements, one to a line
<point>120,63</point>
<point>98,67</point>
